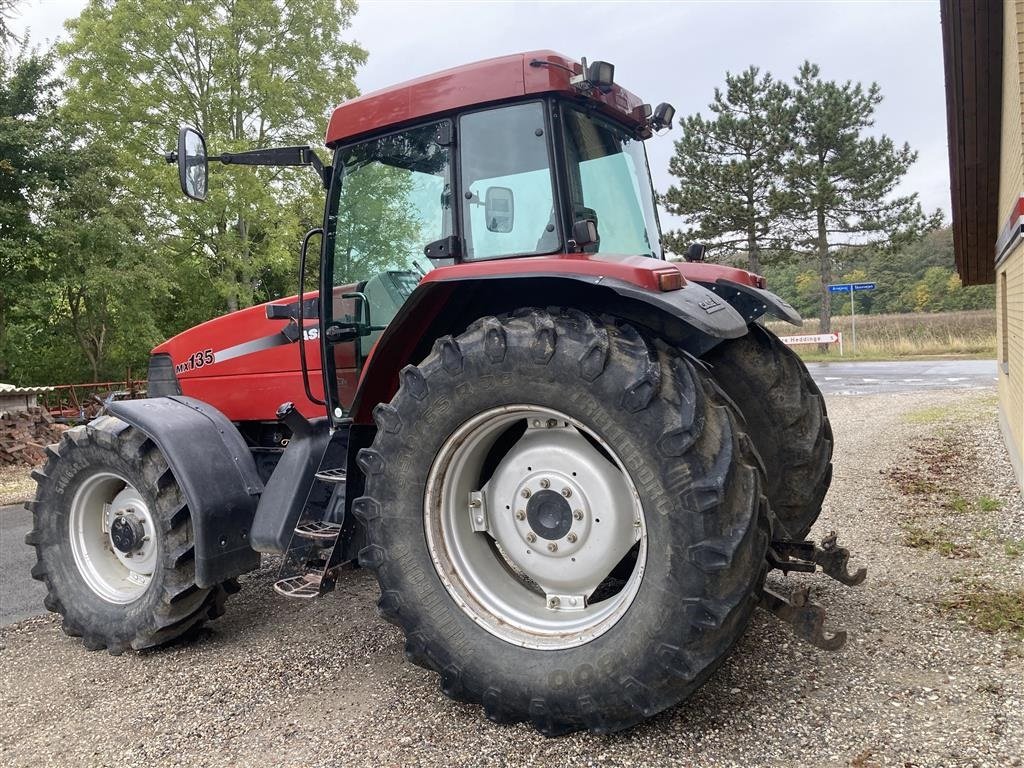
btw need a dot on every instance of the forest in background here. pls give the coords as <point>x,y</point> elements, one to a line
<point>101,258</point>
<point>920,277</point>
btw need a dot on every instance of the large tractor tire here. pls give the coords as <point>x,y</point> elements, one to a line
<point>786,417</point>
<point>566,520</point>
<point>113,541</point>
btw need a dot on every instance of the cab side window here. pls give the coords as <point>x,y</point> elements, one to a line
<point>508,206</point>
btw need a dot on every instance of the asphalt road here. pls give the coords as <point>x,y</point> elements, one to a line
<point>21,597</point>
<point>902,376</point>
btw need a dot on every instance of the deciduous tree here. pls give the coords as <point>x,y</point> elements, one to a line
<point>248,74</point>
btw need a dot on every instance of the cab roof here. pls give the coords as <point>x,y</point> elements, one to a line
<point>483,82</point>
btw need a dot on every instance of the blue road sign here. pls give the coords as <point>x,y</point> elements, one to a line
<point>848,287</point>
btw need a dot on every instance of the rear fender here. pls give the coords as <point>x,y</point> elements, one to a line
<point>753,302</point>
<point>744,291</point>
<point>215,471</point>
<point>692,318</point>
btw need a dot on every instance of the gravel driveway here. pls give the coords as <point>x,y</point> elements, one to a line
<point>280,683</point>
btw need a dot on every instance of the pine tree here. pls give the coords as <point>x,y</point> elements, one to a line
<point>840,182</point>
<point>729,168</point>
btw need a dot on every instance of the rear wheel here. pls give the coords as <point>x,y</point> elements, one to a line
<point>113,541</point>
<point>786,417</point>
<point>566,520</point>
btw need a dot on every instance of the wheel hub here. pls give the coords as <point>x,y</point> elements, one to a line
<point>126,533</point>
<point>574,517</point>
<point>549,515</point>
<point>113,538</point>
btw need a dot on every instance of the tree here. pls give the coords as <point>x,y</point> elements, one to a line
<point>729,168</point>
<point>840,183</point>
<point>99,277</point>
<point>248,74</point>
<point>6,14</point>
<point>28,133</point>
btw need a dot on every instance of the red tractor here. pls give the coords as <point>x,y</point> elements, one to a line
<point>569,462</point>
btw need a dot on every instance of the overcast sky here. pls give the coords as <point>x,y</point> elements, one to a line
<point>666,51</point>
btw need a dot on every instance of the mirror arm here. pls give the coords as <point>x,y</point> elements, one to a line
<point>282,156</point>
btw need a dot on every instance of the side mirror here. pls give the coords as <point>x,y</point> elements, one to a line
<point>695,252</point>
<point>192,165</point>
<point>499,209</point>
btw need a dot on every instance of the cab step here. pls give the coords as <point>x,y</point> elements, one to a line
<point>305,586</point>
<point>336,475</point>
<point>318,530</point>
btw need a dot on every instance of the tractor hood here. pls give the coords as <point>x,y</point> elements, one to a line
<point>243,364</point>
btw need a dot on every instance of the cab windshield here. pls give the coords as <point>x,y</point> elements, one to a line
<point>609,182</point>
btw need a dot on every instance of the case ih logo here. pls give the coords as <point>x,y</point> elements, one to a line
<point>711,305</point>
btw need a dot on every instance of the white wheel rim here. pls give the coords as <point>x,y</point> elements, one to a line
<point>523,552</point>
<point>115,575</point>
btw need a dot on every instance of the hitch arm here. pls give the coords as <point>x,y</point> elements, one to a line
<point>805,557</point>
<point>806,618</point>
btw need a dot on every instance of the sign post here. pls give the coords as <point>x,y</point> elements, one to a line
<point>850,288</point>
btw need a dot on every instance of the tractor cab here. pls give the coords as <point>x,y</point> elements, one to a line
<point>525,156</point>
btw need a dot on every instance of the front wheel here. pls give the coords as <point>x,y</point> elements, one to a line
<point>113,540</point>
<point>565,519</point>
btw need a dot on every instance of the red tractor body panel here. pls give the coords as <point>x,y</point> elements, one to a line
<point>242,364</point>
<point>483,82</point>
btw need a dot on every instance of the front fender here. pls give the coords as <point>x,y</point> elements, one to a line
<point>215,471</point>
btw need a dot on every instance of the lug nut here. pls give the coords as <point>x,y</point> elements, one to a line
<point>552,423</point>
<point>526,493</point>
<point>552,547</point>
<point>578,514</point>
<point>545,483</point>
<point>571,538</point>
<point>531,537</point>
<point>553,602</point>
<point>520,515</point>
<point>567,492</point>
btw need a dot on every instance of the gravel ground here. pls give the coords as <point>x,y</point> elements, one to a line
<point>280,683</point>
<point>15,485</point>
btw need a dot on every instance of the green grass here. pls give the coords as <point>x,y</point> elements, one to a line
<point>1014,547</point>
<point>958,503</point>
<point>937,540</point>
<point>990,610</point>
<point>932,415</point>
<point>971,410</point>
<point>988,504</point>
<point>967,334</point>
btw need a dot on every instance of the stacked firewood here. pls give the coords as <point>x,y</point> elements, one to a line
<point>24,434</point>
